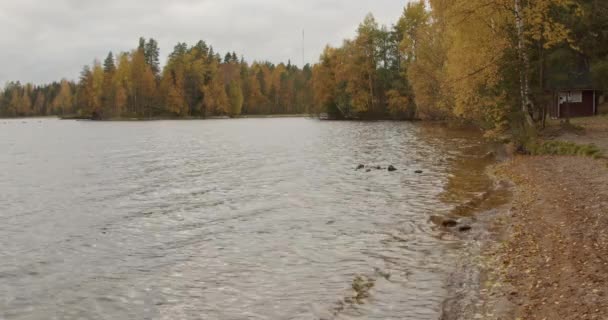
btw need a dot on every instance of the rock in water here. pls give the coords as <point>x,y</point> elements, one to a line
<point>418,171</point>
<point>359,167</point>
<point>449,223</point>
<point>464,228</point>
<point>391,168</point>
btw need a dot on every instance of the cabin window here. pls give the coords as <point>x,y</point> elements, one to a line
<point>572,97</point>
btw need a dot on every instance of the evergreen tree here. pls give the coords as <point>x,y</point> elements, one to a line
<point>203,49</point>
<point>152,55</point>
<point>142,43</point>
<point>108,64</point>
<point>107,94</point>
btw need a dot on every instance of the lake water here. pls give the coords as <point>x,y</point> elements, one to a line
<point>228,219</point>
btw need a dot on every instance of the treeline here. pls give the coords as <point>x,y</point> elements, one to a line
<point>366,77</point>
<point>195,82</point>
<point>492,62</point>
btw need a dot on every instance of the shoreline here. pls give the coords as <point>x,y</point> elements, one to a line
<point>253,116</point>
<point>126,119</point>
<point>550,261</point>
<point>542,254</point>
<point>469,282</point>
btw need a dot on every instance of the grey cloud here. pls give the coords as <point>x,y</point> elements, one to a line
<point>45,40</point>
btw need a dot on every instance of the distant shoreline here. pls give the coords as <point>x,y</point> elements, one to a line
<point>261,116</point>
<point>189,118</point>
<point>24,118</point>
<point>268,116</point>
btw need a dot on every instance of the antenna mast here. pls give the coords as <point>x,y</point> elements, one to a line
<point>303,50</point>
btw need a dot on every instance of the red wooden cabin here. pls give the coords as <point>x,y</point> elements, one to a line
<point>574,102</point>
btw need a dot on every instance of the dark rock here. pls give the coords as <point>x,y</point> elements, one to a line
<point>465,228</point>
<point>449,223</point>
<point>379,167</point>
<point>391,168</point>
<point>418,171</point>
<point>368,170</point>
<point>359,167</point>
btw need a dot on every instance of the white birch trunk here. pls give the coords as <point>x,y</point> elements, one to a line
<point>525,63</point>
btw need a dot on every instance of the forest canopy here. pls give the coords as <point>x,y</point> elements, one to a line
<point>195,82</point>
<point>487,62</point>
<point>492,63</point>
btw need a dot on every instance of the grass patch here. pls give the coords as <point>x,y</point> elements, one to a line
<point>554,130</point>
<point>564,148</point>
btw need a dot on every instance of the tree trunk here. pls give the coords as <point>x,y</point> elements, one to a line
<point>568,107</point>
<point>371,91</point>
<point>542,84</point>
<point>525,65</point>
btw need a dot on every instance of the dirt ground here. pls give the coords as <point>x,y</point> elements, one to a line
<point>553,263</point>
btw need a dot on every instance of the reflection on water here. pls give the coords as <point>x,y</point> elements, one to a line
<point>228,219</point>
<point>469,189</point>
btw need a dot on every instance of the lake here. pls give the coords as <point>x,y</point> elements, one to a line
<point>229,219</point>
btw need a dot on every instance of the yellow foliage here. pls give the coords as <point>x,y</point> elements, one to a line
<point>427,72</point>
<point>216,99</point>
<point>63,102</point>
<point>477,42</point>
<point>324,79</point>
<point>256,99</point>
<point>543,27</point>
<point>397,103</point>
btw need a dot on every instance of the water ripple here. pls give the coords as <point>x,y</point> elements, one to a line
<point>247,219</point>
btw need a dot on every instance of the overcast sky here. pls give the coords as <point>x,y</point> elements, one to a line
<point>44,40</point>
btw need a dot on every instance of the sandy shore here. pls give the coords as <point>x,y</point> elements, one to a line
<point>545,254</point>
<point>552,260</point>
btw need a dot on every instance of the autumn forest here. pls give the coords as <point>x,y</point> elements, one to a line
<point>488,62</point>
<point>196,82</point>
